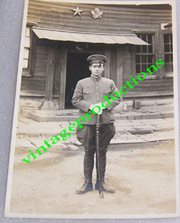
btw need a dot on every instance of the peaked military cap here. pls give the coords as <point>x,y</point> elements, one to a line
<point>97,58</point>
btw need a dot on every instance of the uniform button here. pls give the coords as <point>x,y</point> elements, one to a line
<point>97,98</point>
<point>97,92</point>
<point>97,88</point>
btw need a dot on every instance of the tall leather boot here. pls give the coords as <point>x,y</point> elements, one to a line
<point>88,168</point>
<point>105,187</point>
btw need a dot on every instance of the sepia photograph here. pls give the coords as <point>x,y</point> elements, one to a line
<point>95,129</point>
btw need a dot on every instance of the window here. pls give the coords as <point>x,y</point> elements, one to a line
<point>28,48</point>
<point>168,53</point>
<point>145,53</point>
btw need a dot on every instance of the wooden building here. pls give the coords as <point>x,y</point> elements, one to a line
<point>60,36</point>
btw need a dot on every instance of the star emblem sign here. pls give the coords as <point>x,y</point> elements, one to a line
<point>77,11</point>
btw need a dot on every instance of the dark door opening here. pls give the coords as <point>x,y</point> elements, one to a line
<point>77,69</point>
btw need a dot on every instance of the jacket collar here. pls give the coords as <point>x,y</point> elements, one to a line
<point>95,79</point>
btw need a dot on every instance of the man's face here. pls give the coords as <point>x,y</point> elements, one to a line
<point>96,69</point>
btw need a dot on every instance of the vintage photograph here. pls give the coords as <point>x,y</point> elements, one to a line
<point>95,134</point>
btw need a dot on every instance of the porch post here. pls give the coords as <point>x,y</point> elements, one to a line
<point>50,73</point>
<point>119,66</point>
<point>48,104</point>
<point>108,63</point>
<point>63,65</point>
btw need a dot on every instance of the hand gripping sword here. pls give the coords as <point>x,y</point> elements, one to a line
<point>101,195</point>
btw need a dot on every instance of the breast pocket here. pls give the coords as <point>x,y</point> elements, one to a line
<point>87,94</point>
<point>107,92</point>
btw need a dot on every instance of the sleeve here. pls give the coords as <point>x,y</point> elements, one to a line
<point>78,99</point>
<point>116,95</point>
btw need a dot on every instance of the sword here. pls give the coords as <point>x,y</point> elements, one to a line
<point>101,195</point>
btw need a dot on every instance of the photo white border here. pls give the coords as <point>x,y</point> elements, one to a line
<point>15,114</point>
<point>16,107</point>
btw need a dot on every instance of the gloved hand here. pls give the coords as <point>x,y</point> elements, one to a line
<point>100,105</point>
<point>96,109</point>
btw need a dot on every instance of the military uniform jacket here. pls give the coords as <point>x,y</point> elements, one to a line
<point>90,91</point>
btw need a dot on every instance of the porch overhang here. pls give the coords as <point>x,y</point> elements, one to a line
<point>89,38</point>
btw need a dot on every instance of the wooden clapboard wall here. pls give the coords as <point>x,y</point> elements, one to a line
<point>150,88</point>
<point>36,84</point>
<point>157,87</point>
<point>116,19</point>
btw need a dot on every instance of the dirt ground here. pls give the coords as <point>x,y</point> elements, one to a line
<point>142,174</point>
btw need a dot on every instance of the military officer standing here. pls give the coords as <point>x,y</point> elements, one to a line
<point>88,94</point>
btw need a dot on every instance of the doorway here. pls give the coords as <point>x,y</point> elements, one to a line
<point>77,69</point>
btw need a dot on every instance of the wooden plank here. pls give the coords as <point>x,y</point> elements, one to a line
<point>32,58</point>
<point>126,24</point>
<point>40,58</point>
<point>160,54</point>
<point>148,94</point>
<point>37,87</point>
<point>107,15</point>
<point>63,65</point>
<point>38,68</point>
<point>32,93</point>
<point>32,82</point>
<point>50,72</point>
<point>127,63</point>
<point>113,70</point>
<point>57,71</point>
<point>133,62</point>
<point>156,49</point>
<point>105,27</point>
<point>27,42</point>
<point>108,63</point>
<point>116,18</point>
<point>151,88</point>
<point>153,83</point>
<point>119,65</point>
<point>68,6</point>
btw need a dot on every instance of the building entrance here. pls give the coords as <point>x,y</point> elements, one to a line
<point>77,69</point>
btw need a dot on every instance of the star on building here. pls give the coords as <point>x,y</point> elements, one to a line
<point>77,11</point>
